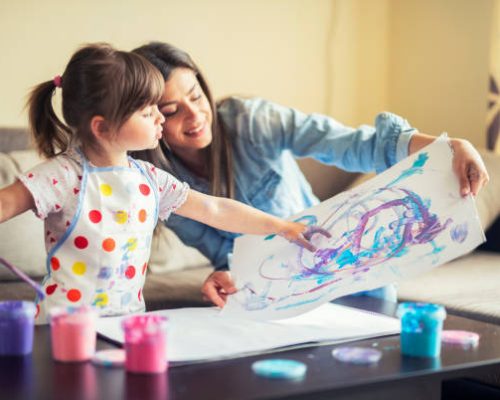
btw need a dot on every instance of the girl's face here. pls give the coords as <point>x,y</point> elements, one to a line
<point>188,116</point>
<point>141,131</point>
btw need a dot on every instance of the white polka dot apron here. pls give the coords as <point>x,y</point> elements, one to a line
<point>101,259</point>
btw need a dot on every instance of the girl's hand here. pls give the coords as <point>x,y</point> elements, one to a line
<point>469,167</point>
<point>301,234</point>
<point>217,286</point>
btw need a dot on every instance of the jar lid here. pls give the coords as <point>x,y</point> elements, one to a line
<point>277,368</point>
<point>72,315</point>
<point>429,310</point>
<point>357,355</point>
<point>17,309</point>
<point>143,326</point>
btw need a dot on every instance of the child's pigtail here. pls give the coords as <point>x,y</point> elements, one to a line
<point>50,134</point>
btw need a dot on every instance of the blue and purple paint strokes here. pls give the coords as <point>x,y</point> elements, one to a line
<point>459,232</point>
<point>368,230</point>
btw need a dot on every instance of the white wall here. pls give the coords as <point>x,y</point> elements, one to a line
<point>271,48</point>
<point>439,65</point>
<point>424,59</point>
<point>359,60</point>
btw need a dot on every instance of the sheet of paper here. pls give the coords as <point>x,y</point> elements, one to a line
<point>403,222</point>
<point>202,334</point>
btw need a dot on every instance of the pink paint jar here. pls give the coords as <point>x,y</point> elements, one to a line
<point>73,331</point>
<point>145,343</point>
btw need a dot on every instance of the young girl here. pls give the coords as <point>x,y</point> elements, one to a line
<point>100,206</point>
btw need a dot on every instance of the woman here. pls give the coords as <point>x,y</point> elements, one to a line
<point>245,148</point>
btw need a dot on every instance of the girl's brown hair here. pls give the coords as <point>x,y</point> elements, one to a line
<point>98,80</point>
<point>166,58</point>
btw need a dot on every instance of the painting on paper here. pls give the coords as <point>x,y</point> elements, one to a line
<point>403,222</point>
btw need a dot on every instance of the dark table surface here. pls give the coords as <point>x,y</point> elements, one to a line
<point>37,376</point>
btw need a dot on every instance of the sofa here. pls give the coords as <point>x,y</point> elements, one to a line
<point>469,286</point>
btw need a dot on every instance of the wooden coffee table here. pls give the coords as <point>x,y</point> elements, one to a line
<point>394,377</point>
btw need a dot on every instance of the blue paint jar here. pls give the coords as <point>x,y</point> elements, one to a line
<point>421,327</point>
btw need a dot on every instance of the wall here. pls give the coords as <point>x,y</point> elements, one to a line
<point>439,64</point>
<point>275,49</point>
<point>359,60</point>
<point>424,59</point>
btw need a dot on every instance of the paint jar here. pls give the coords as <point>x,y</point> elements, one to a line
<point>421,327</point>
<point>17,321</point>
<point>145,343</point>
<point>73,331</point>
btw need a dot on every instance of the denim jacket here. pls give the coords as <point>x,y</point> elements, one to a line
<point>266,139</point>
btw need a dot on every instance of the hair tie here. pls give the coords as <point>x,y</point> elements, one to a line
<point>57,81</point>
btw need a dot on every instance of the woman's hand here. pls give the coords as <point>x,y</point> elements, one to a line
<point>469,167</point>
<point>467,163</point>
<point>217,286</point>
<point>301,234</point>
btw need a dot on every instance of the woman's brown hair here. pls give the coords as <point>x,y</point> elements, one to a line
<point>166,58</point>
<point>98,80</point>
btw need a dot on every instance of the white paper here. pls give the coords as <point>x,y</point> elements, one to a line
<point>202,334</point>
<point>403,222</point>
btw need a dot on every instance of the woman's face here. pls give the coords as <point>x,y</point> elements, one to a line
<point>188,116</point>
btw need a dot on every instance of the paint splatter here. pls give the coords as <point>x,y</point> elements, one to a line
<point>368,229</point>
<point>459,232</point>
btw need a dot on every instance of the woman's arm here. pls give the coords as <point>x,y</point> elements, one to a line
<point>14,200</point>
<point>233,216</point>
<point>467,163</point>
<point>271,128</point>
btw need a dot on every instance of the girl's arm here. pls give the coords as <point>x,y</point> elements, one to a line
<point>14,200</point>
<point>233,216</point>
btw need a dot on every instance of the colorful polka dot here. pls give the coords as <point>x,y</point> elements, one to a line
<point>101,300</point>
<point>108,244</point>
<point>105,273</point>
<point>130,272</point>
<point>144,268</point>
<point>55,264</point>
<point>95,216</point>
<point>74,295</point>
<point>51,289</point>
<point>121,217</point>
<point>139,294</point>
<point>132,244</point>
<point>106,189</point>
<point>144,189</point>
<point>81,242</point>
<point>126,298</point>
<point>143,215</point>
<point>79,268</point>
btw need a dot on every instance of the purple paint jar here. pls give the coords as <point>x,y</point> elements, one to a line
<point>17,320</point>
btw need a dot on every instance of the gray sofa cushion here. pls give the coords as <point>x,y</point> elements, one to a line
<point>14,139</point>
<point>167,290</point>
<point>468,286</point>
<point>176,289</point>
